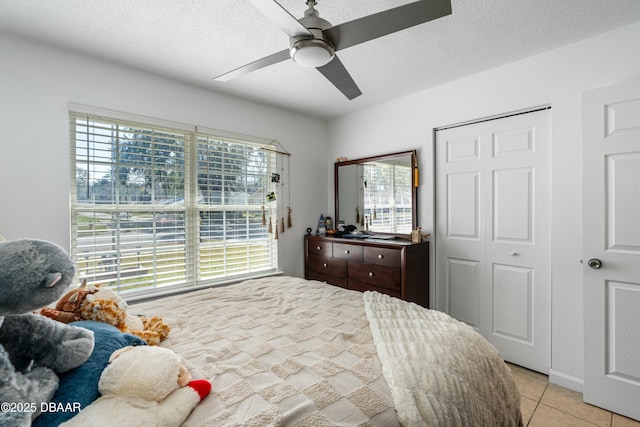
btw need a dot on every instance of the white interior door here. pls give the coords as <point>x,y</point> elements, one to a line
<point>493,232</point>
<point>611,150</point>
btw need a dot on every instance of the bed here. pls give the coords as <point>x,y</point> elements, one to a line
<point>285,351</point>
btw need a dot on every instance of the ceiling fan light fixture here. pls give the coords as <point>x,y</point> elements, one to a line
<point>312,52</point>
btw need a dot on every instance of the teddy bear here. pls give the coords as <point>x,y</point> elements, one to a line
<point>145,386</point>
<point>94,302</point>
<point>33,348</point>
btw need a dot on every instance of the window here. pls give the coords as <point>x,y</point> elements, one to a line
<point>154,207</point>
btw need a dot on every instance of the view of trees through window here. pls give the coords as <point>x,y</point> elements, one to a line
<point>155,207</point>
<point>388,197</point>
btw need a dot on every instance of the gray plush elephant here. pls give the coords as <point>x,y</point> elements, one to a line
<point>33,348</point>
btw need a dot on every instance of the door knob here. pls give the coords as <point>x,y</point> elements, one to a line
<point>594,263</point>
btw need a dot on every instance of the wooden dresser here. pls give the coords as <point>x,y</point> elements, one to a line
<point>395,267</point>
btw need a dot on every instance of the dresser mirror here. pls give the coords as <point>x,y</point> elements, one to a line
<point>378,194</point>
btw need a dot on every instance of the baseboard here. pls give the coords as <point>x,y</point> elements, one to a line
<point>565,380</point>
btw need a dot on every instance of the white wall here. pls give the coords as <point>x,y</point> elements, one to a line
<point>38,82</point>
<point>557,78</point>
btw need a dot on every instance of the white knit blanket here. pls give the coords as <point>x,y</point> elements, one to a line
<point>440,371</point>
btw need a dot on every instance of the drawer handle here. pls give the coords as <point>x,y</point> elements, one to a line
<point>346,251</point>
<point>325,265</point>
<point>318,248</point>
<point>380,256</point>
<point>371,274</point>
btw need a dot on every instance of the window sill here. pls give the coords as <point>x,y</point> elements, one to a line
<point>152,294</point>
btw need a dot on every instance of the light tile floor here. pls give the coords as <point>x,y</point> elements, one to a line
<point>549,405</point>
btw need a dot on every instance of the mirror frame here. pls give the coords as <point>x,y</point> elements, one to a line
<point>414,185</point>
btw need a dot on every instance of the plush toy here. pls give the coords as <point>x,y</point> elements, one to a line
<point>102,304</point>
<point>34,273</point>
<point>145,386</point>
<point>68,308</point>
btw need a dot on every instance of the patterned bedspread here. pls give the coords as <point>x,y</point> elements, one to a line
<point>278,351</point>
<point>285,351</point>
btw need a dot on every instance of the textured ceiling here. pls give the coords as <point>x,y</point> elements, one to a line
<point>196,40</point>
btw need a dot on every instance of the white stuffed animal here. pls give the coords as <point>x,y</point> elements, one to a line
<point>143,386</point>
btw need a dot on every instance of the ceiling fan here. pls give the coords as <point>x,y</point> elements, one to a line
<point>314,41</point>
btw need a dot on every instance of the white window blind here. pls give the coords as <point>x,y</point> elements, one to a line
<point>154,208</point>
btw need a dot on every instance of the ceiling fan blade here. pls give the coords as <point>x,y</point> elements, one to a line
<point>389,21</point>
<point>281,17</point>
<point>335,72</point>
<point>255,65</point>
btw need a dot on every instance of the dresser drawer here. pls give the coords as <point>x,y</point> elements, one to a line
<point>348,252</point>
<point>377,275</point>
<point>358,286</point>
<point>326,265</point>
<point>382,256</point>
<point>394,267</point>
<point>332,280</point>
<point>318,247</point>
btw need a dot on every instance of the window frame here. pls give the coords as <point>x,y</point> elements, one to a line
<point>191,206</point>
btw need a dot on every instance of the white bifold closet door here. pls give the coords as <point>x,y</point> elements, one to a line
<point>493,202</point>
